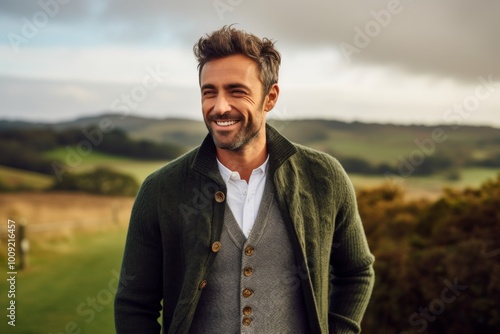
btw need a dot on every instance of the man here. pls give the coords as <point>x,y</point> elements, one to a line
<point>248,233</point>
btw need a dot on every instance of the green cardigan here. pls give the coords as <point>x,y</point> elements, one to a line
<point>178,215</point>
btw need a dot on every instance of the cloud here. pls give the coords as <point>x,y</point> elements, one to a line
<point>368,94</point>
<point>453,38</point>
<point>42,100</point>
<point>106,64</point>
<point>417,56</point>
<point>456,38</point>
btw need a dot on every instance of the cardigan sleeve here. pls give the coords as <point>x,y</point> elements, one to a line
<point>139,294</point>
<point>352,276</point>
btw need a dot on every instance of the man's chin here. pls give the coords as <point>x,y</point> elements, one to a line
<point>225,145</point>
<point>226,142</point>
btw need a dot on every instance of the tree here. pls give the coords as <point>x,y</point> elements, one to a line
<point>102,180</point>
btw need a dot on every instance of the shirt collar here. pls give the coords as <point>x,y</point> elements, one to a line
<point>226,172</point>
<point>280,150</point>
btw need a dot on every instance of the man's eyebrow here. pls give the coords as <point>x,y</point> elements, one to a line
<point>236,85</point>
<point>228,86</point>
<point>207,86</point>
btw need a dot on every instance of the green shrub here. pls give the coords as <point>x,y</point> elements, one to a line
<point>423,247</point>
<point>102,180</point>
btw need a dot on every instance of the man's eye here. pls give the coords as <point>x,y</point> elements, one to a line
<point>208,92</point>
<point>238,92</point>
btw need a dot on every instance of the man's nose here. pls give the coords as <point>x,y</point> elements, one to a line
<point>222,104</point>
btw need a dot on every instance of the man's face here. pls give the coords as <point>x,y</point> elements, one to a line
<point>232,101</point>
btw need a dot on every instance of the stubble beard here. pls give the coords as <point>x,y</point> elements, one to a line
<point>241,140</point>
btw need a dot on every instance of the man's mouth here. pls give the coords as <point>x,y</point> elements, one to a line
<point>225,123</point>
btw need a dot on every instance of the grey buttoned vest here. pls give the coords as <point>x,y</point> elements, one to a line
<point>253,286</point>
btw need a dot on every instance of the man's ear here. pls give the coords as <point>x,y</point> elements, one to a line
<point>271,97</point>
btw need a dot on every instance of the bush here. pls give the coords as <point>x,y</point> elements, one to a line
<point>117,142</point>
<point>15,155</point>
<point>421,247</point>
<point>102,180</point>
<point>492,161</point>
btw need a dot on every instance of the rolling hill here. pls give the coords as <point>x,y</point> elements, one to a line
<point>368,151</point>
<point>376,142</point>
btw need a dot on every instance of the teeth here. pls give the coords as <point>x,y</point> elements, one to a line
<point>225,123</point>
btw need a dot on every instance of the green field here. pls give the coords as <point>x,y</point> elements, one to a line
<point>69,286</point>
<point>136,168</point>
<point>429,185</point>
<point>15,178</point>
<point>470,154</point>
<point>416,185</point>
<point>26,180</point>
<point>354,141</point>
<point>385,143</point>
<point>72,155</point>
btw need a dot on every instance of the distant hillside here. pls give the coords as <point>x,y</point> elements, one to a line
<point>125,122</point>
<point>182,132</point>
<point>46,150</point>
<point>383,142</point>
<point>363,147</point>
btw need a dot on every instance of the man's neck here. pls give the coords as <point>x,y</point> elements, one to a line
<point>243,161</point>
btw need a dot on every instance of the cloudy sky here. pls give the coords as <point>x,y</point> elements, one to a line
<point>420,61</point>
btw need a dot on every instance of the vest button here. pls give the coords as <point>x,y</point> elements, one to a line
<point>246,321</point>
<point>219,197</point>
<point>249,250</point>
<point>216,246</point>
<point>247,310</point>
<point>247,293</point>
<point>248,271</point>
<point>202,284</point>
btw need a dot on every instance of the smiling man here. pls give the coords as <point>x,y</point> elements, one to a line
<point>247,233</point>
<point>234,104</point>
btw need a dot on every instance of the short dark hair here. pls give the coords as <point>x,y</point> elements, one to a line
<point>229,41</point>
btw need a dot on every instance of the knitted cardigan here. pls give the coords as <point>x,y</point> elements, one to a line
<point>178,216</point>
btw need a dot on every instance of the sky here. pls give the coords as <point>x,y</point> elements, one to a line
<point>384,61</point>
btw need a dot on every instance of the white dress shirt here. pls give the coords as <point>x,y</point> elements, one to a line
<point>244,198</point>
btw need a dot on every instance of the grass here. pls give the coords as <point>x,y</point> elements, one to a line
<point>474,177</point>
<point>63,282</point>
<point>340,142</point>
<point>22,179</point>
<point>428,185</point>
<point>470,177</point>
<point>15,178</point>
<point>64,155</point>
<point>418,186</point>
<point>384,143</point>
<point>348,148</point>
<point>137,168</point>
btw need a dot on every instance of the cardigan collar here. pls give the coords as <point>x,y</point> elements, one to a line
<point>278,147</point>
